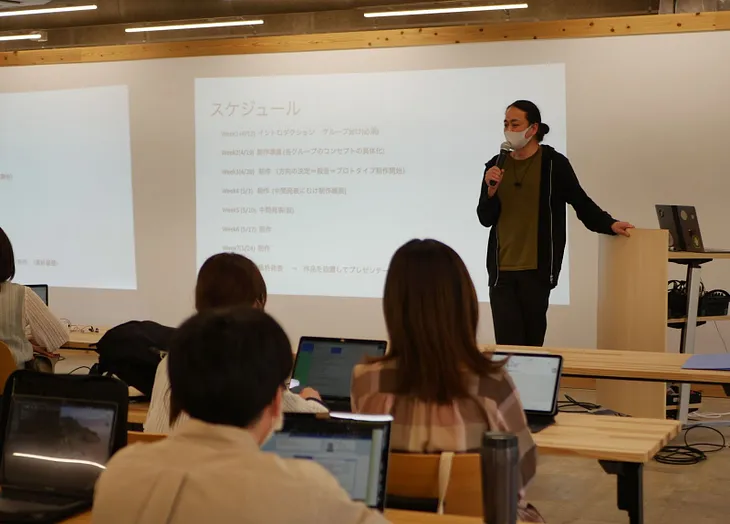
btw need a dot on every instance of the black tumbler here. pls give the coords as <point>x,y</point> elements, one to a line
<point>500,486</point>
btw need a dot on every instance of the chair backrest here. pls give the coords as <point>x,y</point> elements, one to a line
<point>416,476</point>
<point>7,364</point>
<point>134,437</point>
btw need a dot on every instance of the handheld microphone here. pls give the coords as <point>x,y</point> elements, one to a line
<point>504,150</point>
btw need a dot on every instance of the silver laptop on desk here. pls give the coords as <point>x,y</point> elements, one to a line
<point>325,364</point>
<point>537,379</point>
<point>353,448</point>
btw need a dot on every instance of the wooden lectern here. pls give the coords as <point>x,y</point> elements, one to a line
<point>632,314</point>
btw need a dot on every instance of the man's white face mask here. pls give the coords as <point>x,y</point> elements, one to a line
<point>277,425</point>
<point>518,139</point>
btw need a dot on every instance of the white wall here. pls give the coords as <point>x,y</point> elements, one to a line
<point>647,124</point>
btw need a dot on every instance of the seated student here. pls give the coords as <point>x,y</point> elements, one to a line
<point>210,469</point>
<point>20,307</point>
<point>442,392</point>
<point>225,280</point>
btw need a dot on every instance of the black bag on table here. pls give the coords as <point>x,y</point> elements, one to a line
<point>715,303</point>
<point>132,351</point>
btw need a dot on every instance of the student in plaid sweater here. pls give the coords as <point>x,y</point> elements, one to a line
<point>441,390</point>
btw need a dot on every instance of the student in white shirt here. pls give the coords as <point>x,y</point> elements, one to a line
<point>211,468</point>
<point>225,280</point>
<point>21,308</point>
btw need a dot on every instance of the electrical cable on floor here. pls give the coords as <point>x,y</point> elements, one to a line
<point>690,454</point>
<point>700,415</point>
<point>80,367</point>
<point>721,337</point>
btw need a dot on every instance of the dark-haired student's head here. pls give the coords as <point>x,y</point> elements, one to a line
<point>432,313</point>
<point>229,367</point>
<point>229,279</point>
<point>523,123</point>
<point>7,258</point>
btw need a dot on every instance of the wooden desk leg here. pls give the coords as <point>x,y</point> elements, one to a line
<point>629,487</point>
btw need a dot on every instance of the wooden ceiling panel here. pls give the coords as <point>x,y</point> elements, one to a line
<point>105,25</point>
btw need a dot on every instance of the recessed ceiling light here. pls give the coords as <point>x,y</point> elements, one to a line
<point>30,36</point>
<point>48,10</point>
<point>204,25</point>
<point>446,10</point>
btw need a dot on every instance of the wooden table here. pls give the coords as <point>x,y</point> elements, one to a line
<point>137,412</point>
<point>686,255</point>
<point>78,340</point>
<point>626,365</point>
<point>394,516</point>
<point>622,445</point>
<point>617,439</point>
<point>585,363</point>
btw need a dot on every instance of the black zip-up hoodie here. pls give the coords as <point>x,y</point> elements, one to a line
<point>558,186</point>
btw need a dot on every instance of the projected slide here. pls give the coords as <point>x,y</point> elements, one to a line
<point>320,178</point>
<point>66,187</point>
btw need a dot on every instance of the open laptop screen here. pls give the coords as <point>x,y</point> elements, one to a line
<point>326,364</point>
<point>57,445</point>
<point>354,452</point>
<point>537,378</point>
<point>41,290</point>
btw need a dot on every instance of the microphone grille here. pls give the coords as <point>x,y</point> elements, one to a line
<point>506,146</point>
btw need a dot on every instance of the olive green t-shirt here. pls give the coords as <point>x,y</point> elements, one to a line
<point>519,195</point>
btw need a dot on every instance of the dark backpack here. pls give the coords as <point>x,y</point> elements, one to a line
<point>132,351</point>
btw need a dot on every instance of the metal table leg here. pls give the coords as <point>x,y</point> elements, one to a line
<point>688,333</point>
<point>629,487</point>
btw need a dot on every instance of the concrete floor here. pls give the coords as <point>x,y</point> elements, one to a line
<point>575,490</point>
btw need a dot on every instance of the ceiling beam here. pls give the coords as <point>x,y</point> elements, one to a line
<point>333,21</point>
<point>584,28</point>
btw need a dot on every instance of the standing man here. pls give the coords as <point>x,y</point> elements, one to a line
<point>524,205</point>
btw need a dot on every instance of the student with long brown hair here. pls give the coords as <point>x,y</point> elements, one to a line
<point>441,390</point>
<point>225,280</point>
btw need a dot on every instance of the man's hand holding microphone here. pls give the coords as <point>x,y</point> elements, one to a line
<point>493,176</point>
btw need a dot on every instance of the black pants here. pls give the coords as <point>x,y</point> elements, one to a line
<point>519,308</point>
